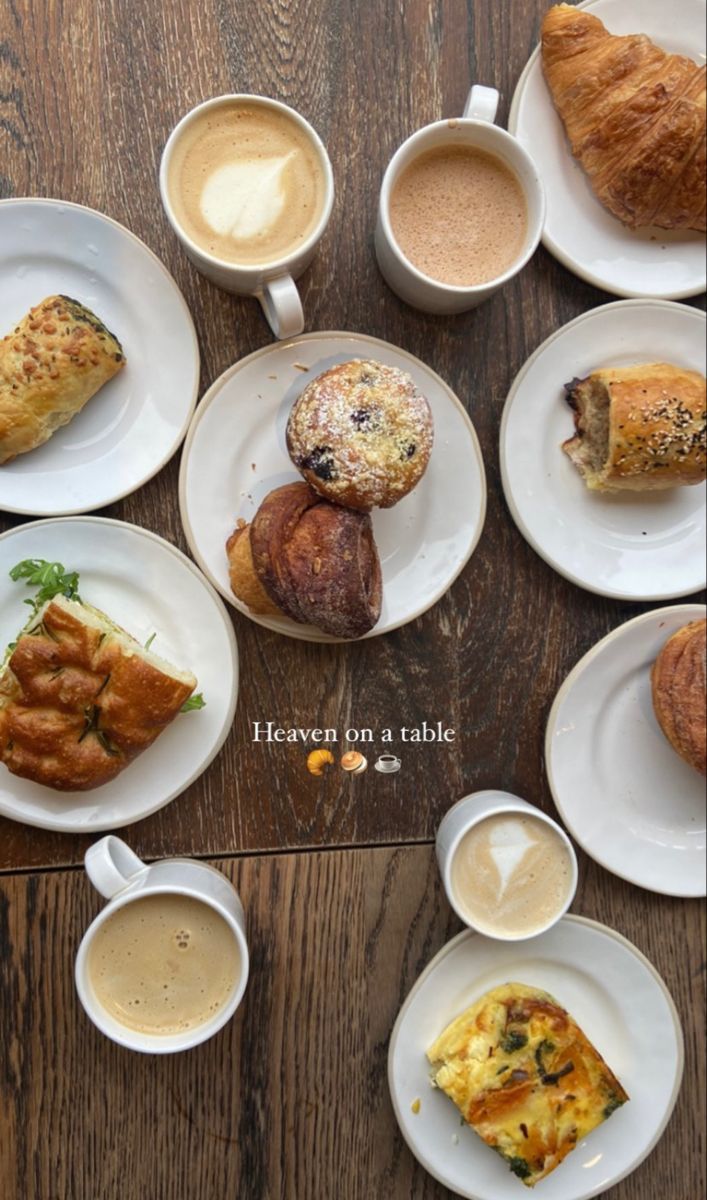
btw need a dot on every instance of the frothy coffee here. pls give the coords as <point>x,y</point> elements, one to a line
<point>511,874</point>
<point>246,183</point>
<point>164,964</point>
<point>459,215</point>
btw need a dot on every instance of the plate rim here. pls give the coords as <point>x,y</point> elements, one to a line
<point>53,202</point>
<point>612,593</point>
<point>606,931</point>
<point>688,610</point>
<point>304,633</point>
<point>56,824</point>
<point>572,264</point>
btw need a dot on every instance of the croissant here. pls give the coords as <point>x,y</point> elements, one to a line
<point>634,116</point>
<point>311,560</point>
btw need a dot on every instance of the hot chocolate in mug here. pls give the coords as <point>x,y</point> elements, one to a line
<point>441,159</point>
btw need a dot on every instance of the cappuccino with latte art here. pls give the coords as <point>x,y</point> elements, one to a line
<point>246,183</point>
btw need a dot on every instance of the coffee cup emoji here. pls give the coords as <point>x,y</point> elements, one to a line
<point>353,762</point>
<point>387,764</point>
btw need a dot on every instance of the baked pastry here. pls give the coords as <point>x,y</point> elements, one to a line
<point>525,1077</point>
<point>317,562</point>
<point>639,428</point>
<point>679,689</point>
<point>241,572</point>
<point>634,116</point>
<point>80,698</point>
<point>51,364</point>
<point>361,434</point>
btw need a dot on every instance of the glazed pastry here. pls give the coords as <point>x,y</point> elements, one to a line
<point>51,364</point>
<point>679,690</point>
<point>316,561</point>
<point>80,698</point>
<point>361,434</point>
<point>241,572</point>
<point>639,428</point>
<point>634,116</point>
<point>525,1077</point>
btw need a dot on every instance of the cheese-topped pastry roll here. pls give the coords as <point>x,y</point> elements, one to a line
<point>51,364</point>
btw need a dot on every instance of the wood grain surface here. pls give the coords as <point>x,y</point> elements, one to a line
<point>290,1100</point>
<point>88,94</point>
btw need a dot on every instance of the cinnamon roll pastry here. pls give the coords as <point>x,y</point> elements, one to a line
<point>315,561</point>
<point>634,116</point>
<point>679,693</point>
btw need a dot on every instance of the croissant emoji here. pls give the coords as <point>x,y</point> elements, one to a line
<point>634,116</point>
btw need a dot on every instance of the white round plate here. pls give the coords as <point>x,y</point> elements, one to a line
<point>629,545</point>
<point>617,999</point>
<point>148,587</point>
<point>235,453</point>
<point>625,795</point>
<point>579,231</point>
<point>133,425</point>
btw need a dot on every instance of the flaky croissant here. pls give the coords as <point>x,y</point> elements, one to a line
<point>634,116</point>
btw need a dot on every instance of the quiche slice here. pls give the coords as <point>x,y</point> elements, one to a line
<point>525,1077</point>
<point>80,698</point>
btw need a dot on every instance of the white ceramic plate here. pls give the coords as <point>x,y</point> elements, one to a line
<point>579,231</point>
<point>616,997</point>
<point>235,453</point>
<point>633,546</point>
<point>148,587</point>
<point>134,424</point>
<point>626,796</point>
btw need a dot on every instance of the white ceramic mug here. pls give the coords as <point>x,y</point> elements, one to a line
<point>119,875</point>
<point>474,129</point>
<point>273,283</point>
<point>472,810</point>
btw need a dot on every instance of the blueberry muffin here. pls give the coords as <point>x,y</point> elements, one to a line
<point>361,434</point>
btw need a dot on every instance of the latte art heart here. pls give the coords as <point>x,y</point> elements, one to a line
<point>244,199</point>
<point>246,182</point>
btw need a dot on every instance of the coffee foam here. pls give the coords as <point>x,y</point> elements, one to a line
<point>511,874</point>
<point>245,199</point>
<point>459,215</point>
<point>163,964</point>
<point>246,183</point>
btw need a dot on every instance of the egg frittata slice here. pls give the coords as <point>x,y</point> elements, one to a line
<point>525,1077</point>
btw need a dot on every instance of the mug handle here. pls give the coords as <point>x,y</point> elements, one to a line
<point>282,306</point>
<point>481,103</point>
<point>111,866</point>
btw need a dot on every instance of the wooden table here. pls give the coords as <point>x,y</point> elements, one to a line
<point>338,878</point>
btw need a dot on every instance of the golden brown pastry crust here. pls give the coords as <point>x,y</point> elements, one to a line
<point>75,707</point>
<point>634,116</point>
<point>657,427</point>
<point>317,561</point>
<point>241,572</point>
<point>52,363</point>
<point>361,434</point>
<point>679,693</point>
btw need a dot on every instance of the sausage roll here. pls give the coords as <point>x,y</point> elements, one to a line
<point>51,364</point>
<point>639,428</point>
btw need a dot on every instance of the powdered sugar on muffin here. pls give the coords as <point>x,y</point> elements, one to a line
<point>361,434</point>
